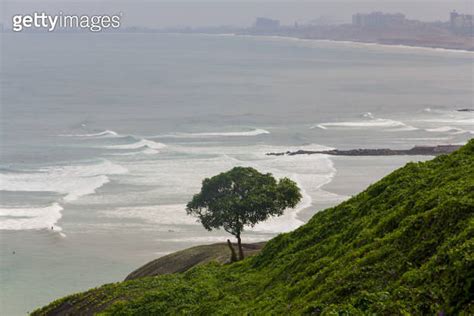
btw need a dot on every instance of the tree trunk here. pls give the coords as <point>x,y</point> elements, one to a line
<point>233,255</point>
<point>241,251</point>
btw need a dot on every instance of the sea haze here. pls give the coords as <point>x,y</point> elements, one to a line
<point>104,138</point>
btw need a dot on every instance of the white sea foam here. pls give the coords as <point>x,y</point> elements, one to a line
<point>174,214</point>
<point>370,122</point>
<point>71,181</point>
<point>145,151</point>
<point>139,144</point>
<point>150,151</point>
<point>448,121</point>
<point>254,132</point>
<point>311,173</point>
<point>452,113</point>
<point>175,178</point>
<point>454,124</point>
<point>434,140</point>
<point>452,120</point>
<point>407,128</point>
<point>184,175</point>
<point>448,129</point>
<point>363,124</point>
<point>106,133</point>
<point>30,218</point>
<point>150,147</point>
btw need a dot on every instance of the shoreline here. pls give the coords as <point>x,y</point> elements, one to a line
<point>430,48</point>
<point>403,46</point>
<point>386,45</point>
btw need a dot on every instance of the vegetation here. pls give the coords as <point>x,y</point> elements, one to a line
<point>241,197</point>
<point>403,246</point>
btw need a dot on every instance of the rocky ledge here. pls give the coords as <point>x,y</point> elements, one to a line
<point>184,260</point>
<point>415,151</point>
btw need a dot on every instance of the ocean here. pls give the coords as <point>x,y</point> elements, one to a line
<point>106,137</point>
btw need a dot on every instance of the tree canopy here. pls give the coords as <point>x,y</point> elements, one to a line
<point>242,197</point>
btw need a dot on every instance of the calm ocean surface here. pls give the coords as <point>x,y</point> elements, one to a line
<point>105,137</point>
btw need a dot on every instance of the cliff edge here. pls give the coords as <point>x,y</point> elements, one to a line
<point>184,260</point>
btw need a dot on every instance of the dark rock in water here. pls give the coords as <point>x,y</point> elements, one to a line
<point>415,151</point>
<point>466,110</point>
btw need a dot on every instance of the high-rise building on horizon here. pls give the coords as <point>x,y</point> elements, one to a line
<point>461,23</point>
<point>377,19</point>
<point>266,24</point>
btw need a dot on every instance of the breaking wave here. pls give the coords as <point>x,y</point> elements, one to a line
<point>371,123</point>
<point>254,132</point>
<point>71,181</point>
<point>139,144</point>
<point>453,122</point>
<point>173,214</point>
<point>145,151</point>
<point>449,129</point>
<point>106,133</point>
<point>31,218</point>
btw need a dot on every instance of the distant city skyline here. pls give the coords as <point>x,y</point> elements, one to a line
<point>236,13</point>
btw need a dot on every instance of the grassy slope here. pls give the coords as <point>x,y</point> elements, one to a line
<point>403,246</point>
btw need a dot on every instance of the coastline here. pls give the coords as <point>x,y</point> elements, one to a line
<point>403,46</point>
<point>385,45</point>
<point>373,44</point>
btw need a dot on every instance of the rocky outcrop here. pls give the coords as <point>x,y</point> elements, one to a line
<point>186,259</point>
<point>415,151</point>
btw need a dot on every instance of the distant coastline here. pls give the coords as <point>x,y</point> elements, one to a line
<point>380,28</point>
<point>376,28</point>
<point>381,44</point>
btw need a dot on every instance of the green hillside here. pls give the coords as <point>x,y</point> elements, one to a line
<point>403,246</point>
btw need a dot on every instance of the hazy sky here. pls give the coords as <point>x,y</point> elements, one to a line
<point>231,12</point>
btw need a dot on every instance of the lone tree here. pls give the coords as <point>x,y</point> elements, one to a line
<point>241,197</point>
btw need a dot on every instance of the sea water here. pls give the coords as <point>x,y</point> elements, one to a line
<point>106,137</point>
